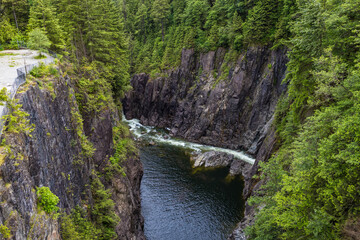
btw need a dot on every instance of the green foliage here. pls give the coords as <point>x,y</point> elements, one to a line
<point>159,11</point>
<point>283,24</point>
<point>78,126</point>
<point>77,121</point>
<point>93,91</point>
<point>95,37</point>
<point>312,179</point>
<point>99,223</point>
<point>77,226</point>
<point>44,71</point>
<point>44,76</point>
<point>195,13</point>
<point>17,120</point>
<point>102,212</point>
<point>47,200</point>
<point>7,31</point>
<point>4,96</point>
<point>38,40</point>
<point>123,144</point>
<point>319,190</point>
<point>5,232</point>
<point>260,24</point>
<point>43,17</point>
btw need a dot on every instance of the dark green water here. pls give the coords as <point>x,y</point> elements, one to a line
<point>179,205</point>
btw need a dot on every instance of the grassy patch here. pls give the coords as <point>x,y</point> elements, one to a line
<point>44,76</point>
<point>2,158</point>
<point>7,54</point>
<point>40,56</point>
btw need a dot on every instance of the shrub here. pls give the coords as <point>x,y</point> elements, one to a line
<point>103,209</point>
<point>76,226</point>
<point>5,232</point>
<point>47,200</point>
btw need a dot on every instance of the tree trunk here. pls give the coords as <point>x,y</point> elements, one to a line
<point>44,21</point>
<point>162,30</point>
<point>143,28</point>
<point>124,9</point>
<point>17,26</point>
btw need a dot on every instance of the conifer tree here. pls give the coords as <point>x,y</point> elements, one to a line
<point>261,22</point>
<point>17,11</point>
<point>177,7</point>
<point>38,40</point>
<point>43,16</point>
<point>140,22</point>
<point>7,31</point>
<point>71,18</point>
<point>107,44</point>
<point>159,11</point>
<point>195,13</point>
<point>95,34</point>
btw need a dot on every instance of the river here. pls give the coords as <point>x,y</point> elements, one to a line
<point>179,204</point>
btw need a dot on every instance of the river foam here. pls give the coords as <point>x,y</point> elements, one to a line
<point>151,133</point>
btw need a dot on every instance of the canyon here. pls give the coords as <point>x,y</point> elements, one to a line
<point>211,100</point>
<point>208,99</point>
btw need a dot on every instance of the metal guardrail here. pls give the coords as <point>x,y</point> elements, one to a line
<point>19,80</point>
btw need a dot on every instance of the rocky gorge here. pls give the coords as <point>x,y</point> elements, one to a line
<point>208,99</point>
<point>212,100</point>
<point>54,155</point>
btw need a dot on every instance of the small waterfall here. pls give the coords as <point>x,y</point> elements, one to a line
<point>161,136</point>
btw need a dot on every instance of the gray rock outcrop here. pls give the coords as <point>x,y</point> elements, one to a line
<point>201,101</point>
<point>215,159</point>
<point>53,157</point>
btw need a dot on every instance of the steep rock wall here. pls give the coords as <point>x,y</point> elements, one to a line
<point>198,102</point>
<point>52,157</point>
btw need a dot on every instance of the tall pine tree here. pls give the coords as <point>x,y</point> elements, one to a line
<point>43,16</point>
<point>159,11</point>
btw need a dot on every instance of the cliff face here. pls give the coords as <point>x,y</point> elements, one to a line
<point>53,157</point>
<point>232,109</point>
<point>198,102</point>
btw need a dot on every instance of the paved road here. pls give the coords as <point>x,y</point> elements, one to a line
<point>19,58</point>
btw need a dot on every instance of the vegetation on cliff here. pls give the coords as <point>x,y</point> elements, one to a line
<point>92,48</point>
<point>312,181</point>
<point>47,200</point>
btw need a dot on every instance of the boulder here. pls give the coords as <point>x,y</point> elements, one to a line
<point>214,159</point>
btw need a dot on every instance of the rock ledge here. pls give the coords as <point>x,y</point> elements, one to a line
<point>215,159</point>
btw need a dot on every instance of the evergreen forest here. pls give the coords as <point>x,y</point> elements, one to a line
<point>311,184</point>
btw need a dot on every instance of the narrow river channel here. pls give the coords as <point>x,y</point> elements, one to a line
<point>178,203</point>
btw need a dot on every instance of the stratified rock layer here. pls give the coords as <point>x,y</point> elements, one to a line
<point>200,103</point>
<point>52,157</point>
